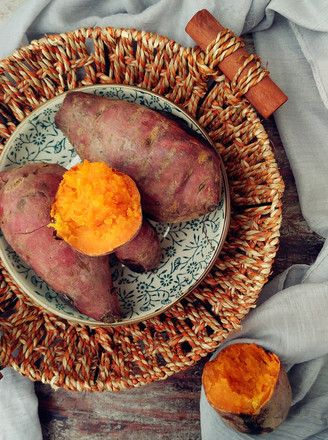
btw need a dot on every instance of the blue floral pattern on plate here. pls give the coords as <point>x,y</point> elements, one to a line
<point>189,249</point>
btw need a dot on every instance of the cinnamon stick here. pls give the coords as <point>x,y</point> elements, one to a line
<point>265,96</point>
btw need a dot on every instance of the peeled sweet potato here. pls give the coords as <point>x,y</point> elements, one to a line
<point>248,387</point>
<point>96,209</point>
<point>26,196</point>
<point>178,174</point>
<point>143,252</point>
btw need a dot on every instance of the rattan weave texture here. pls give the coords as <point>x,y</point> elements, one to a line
<point>48,349</point>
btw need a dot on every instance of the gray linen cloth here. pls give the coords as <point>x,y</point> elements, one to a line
<point>290,320</point>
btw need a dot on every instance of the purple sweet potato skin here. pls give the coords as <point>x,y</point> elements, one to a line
<point>144,252</point>
<point>178,176</point>
<point>26,195</point>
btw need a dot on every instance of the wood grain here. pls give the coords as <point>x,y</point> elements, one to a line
<point>298,243</point>
<point>159,411</point>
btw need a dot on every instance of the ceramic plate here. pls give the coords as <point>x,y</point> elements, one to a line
<point>189,249</point>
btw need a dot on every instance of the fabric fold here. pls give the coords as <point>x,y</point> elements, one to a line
<point>18,408</point>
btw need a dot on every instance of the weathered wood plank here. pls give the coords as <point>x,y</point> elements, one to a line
<point>162,410</point>
<point>298,243</point>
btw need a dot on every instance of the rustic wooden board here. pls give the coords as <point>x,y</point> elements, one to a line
<point>159,411</point>
<point>298,243</point>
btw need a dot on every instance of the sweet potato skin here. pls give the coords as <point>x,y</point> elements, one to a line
<point>26,195</point>
<point>273,413</point>
<point>178,176</point>
<point>144,252</point>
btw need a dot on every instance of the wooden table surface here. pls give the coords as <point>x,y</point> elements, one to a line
<point>167,409</point>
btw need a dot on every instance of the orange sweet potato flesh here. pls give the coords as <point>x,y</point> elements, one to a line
<point>26,196</point>
<point>248,387</point>
<point>142,253</point>
<point>178,175</point>
<point>96,209</point>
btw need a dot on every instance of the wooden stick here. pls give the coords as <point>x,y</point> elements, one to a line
<point>265,96</point>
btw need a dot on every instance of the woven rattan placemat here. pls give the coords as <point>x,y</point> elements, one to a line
<point>48,349</point>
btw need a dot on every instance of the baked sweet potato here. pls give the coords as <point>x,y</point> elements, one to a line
<point>96,209</point>
<point>143,252</point>
<point>26,195</point>
<point>248,387</point>
<point>178,174</point>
